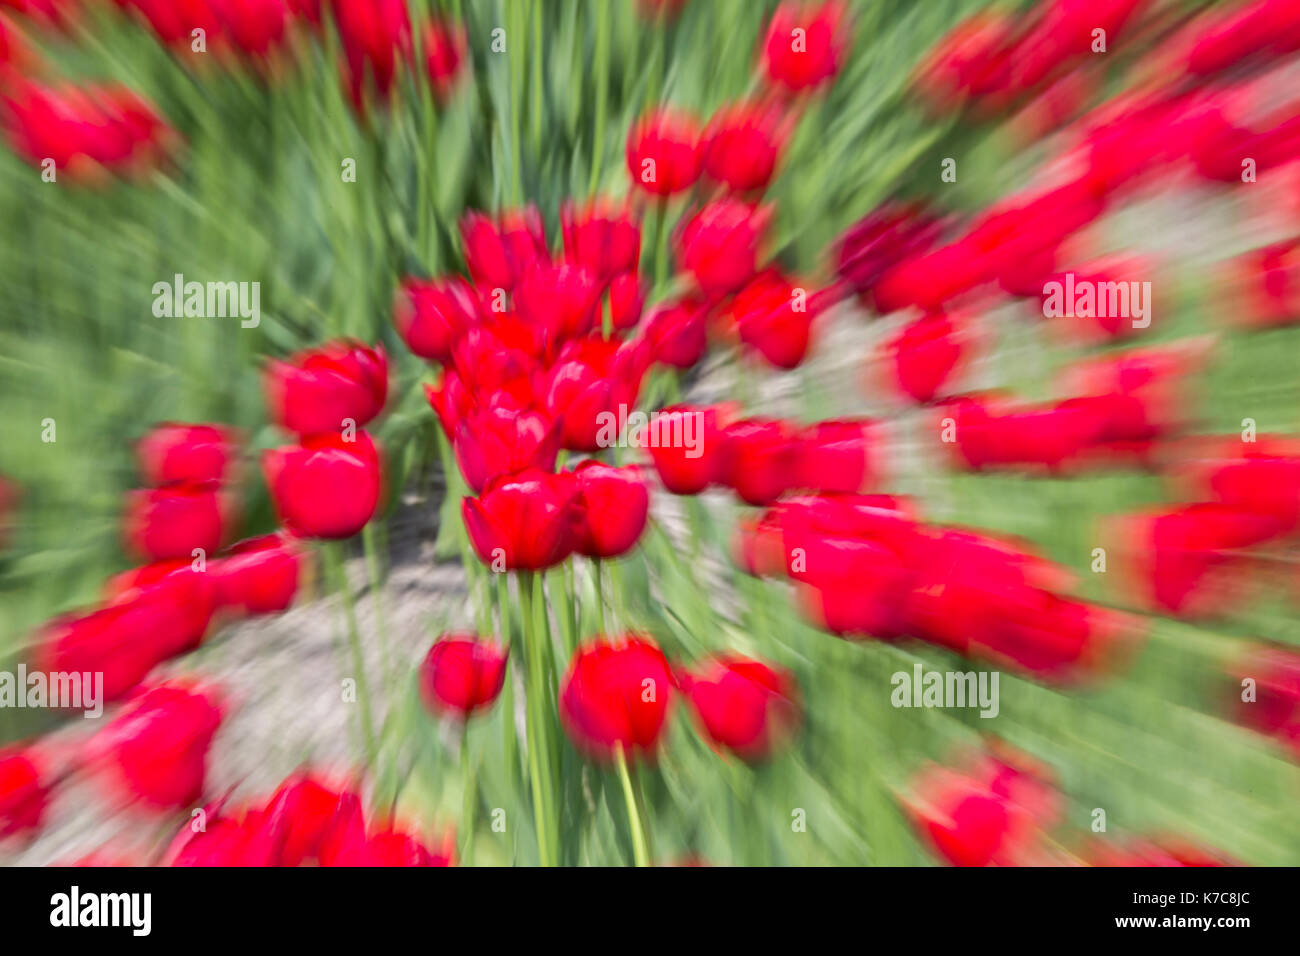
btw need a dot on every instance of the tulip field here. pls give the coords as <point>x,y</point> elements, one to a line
<point>650,432</point>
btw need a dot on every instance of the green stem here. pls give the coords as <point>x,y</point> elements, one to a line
<point>469,802</point>
<point>535,687</point>
<point>661,242</point>
<point>600,598</point>
<point>640,846</point>
<point>511,736</point>
<point>333,551</point>
<point>601,70</point>
<point>377,602</point>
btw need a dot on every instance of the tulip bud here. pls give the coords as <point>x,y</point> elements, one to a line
<point>616,694</point>
<point>610,509</point>
<point>522,522</point>
<point>327,487</point>
<point>462,675</point>
<point>23,794</point>
<point>173,453</point>
<point>156,749</point>
<point>321,391</point>
<point>663,153</point>
<point>743,705</point>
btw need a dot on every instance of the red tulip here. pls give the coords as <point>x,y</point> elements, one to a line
<point>156,749</point>
<point>963,584</point>
<point>445,53</point>
<point>327,487</point>
<point>1052,435</point>
<point>522,522</point>
<point>677,332</point>
<point>875,244</point>
<point>805,44</point>
<point>84,131</point>
<point>601,237</point>
<point>151,614</point>
<point>689,448</point>
<point>719,245</point>
<point>1274,708</point>
<point>376,37</point>
<point>1182,557</point>
<point>741,146</point>
<point>1263,481</point>
<point>179,598</point>
<point>106,640</point>
<point>774,317</point>
<point>387,846</point>
<point>15,54</point>
<point>505,440</point>
<point>173,453</point>
<point>835,457</point>
<point>743,705</point>
<point>663,152</point>
<point>224,841</point>
<point>254,27</point>
<point>626,301</point>
<point>259,575</point>
<point>988,813</point>
<point>1269,282</point>
<point>429,315</point>
<point>610,509</point>
<point>559,301</point>
<point>592,379</point>
<point>924,356</point>
<point>489,358</point>
<point>173,20</point>
<point>761,459</point>
<point>303,815</point>
<point>850,587</point>
<point>462,675</point>
<point>23,794</point>
<point>323,390</point>
<point>499,252</point>
<point>930,280</point>
<point>973,60</point>
<point>450,400</point>
<point>169,523</point>
<point>616,694</point>
<point>1265,29</point>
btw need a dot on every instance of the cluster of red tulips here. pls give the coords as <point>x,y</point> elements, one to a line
<point>329,484</point>
<point>83,130</point>
<point>866,566</point>
<point>1266,285</point>
<point>616,694</point>
<point>308,820</point>
<point>165,607</point>
<point>999,807</point>
<point>154,750</point>
<point>88,130</point>
<point>1196,559</point>
<point>1129,409</point>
